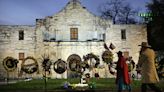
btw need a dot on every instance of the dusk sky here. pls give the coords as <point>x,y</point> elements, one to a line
<point>25,12</point>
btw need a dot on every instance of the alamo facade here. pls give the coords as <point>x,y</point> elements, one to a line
<point>72,32</point>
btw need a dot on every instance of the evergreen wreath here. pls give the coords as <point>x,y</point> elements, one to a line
<point>107,56</point>
<point>29,68</point>
<point>46,63</point>
<point>60,66</point>
<point>89,57</point>
<point>10,64</point>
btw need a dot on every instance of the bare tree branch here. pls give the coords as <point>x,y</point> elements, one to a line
<point>119,11</point>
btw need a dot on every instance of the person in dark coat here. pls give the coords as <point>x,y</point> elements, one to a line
<point>122,78</point>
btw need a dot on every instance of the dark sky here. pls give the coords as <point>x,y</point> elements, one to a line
<point>24,12</point>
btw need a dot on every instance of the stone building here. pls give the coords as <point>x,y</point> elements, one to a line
<point>72,32</point>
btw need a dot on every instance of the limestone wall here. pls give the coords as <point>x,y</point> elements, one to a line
<point>10,45</point>
<point>135,34</point>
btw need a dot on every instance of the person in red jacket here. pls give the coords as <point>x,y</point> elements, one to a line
<point>122,78</point>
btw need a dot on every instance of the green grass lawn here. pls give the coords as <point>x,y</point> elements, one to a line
<point>56,84</point>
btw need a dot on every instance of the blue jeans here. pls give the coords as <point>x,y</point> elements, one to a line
<point>122,85</point>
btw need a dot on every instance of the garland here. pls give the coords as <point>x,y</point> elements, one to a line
<point>29,68</point>
<point>10,64</point>
<point>60,66</point>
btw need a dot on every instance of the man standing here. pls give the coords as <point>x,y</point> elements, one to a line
<point>148,70</point>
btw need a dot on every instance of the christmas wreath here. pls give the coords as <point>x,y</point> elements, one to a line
<point>10,64</point>
<point>46,63</point>
<point>131,64</point>
<point>90,57</point>
<point>107,56</point>
<point>60,66</point>
<point>29,68</point>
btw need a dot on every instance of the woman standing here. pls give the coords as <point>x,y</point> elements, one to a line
<point>122,78</point>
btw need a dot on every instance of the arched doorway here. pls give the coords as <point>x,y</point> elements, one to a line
<point>74,68</point>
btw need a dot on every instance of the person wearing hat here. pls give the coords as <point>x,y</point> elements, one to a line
<point>148,69</point>
<point>122,78</point>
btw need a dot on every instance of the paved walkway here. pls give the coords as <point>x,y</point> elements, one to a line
<point>5,82</point>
